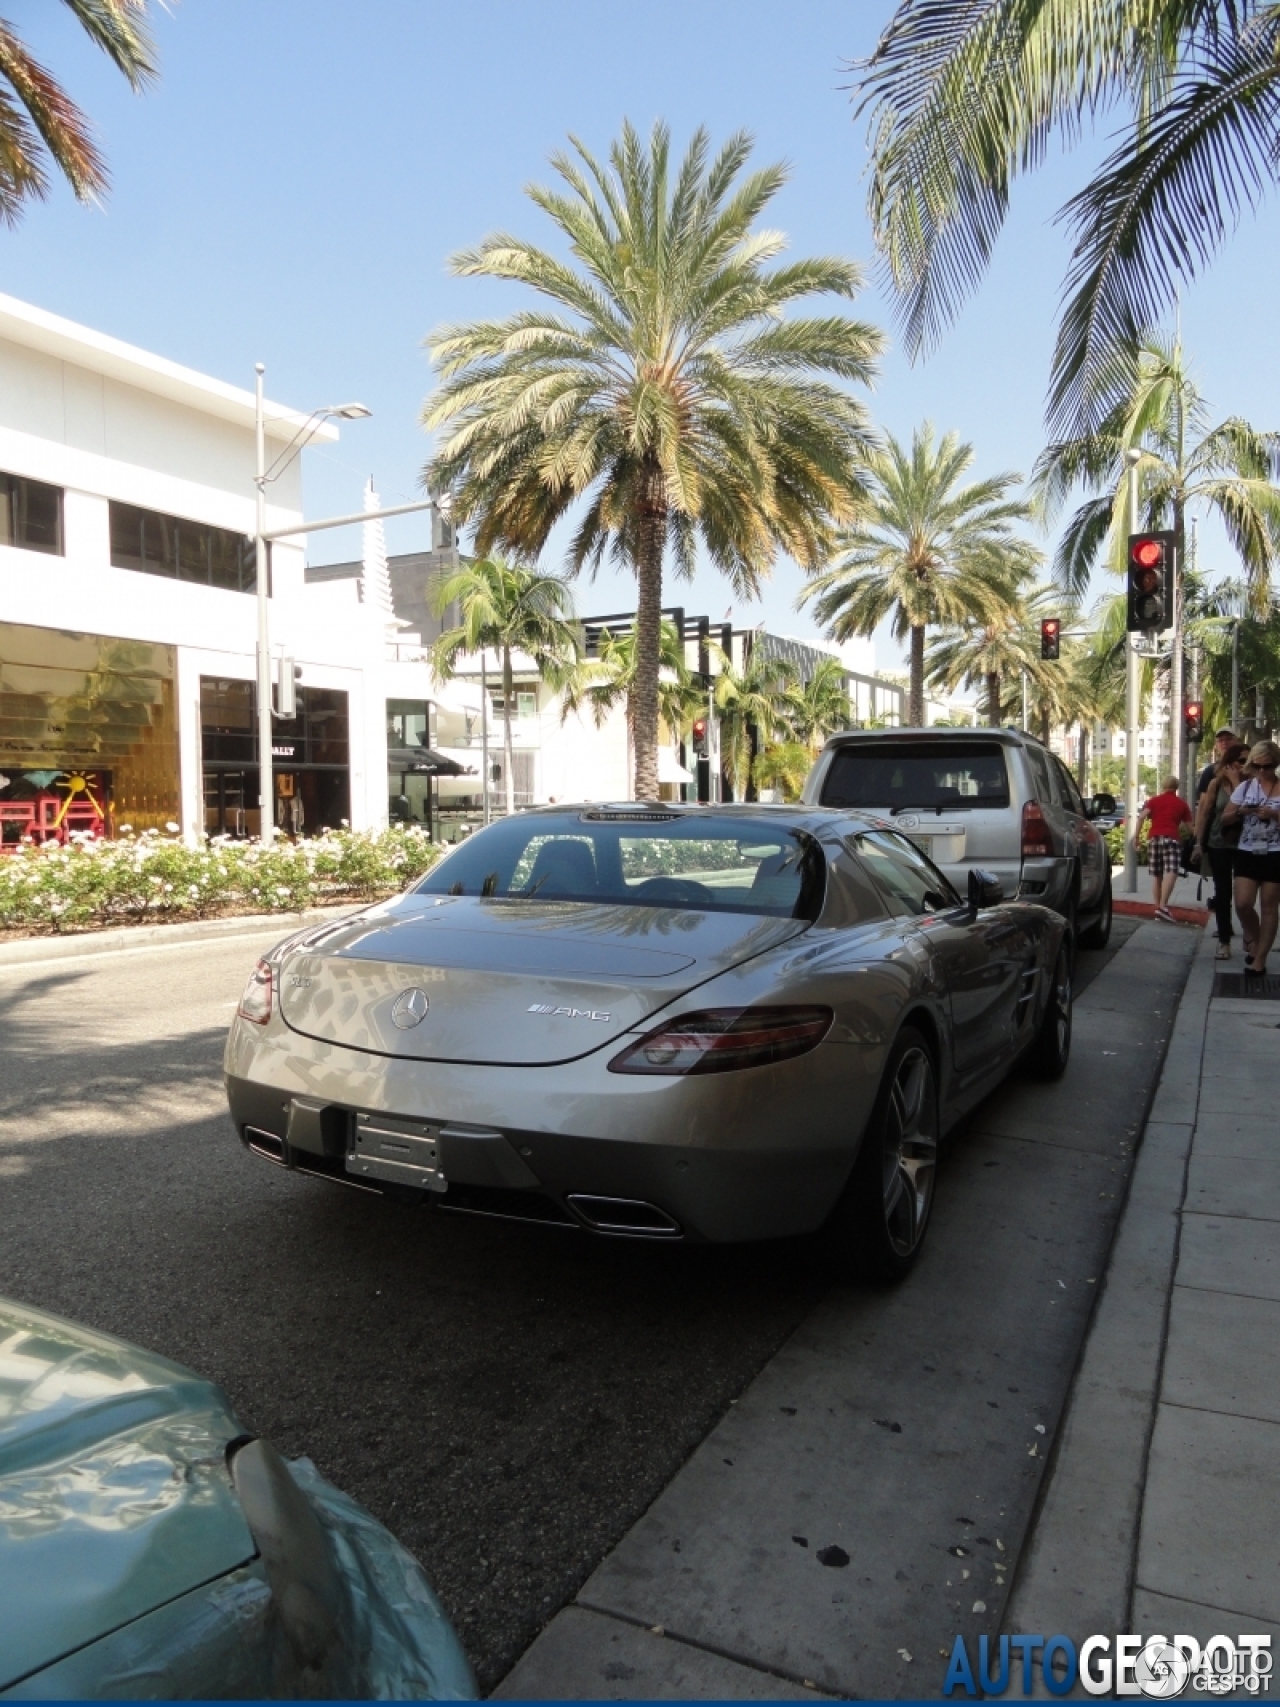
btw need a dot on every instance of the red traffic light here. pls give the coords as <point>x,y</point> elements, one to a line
<point>1193,719</point>
<point>1050,636</point>
<point>1148,553</point>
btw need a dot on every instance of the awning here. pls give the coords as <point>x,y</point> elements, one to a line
<point>424,761</point>
<point>669,767</point>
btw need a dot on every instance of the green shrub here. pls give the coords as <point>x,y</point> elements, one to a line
<point>156,878</point>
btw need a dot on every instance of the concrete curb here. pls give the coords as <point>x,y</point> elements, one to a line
<point>1076,1573</point>
<point>35,951</point>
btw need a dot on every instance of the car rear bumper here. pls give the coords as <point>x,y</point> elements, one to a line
<point>759,1154</point>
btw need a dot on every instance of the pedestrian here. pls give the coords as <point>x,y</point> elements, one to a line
<point>1167,812</point>
<point>1255,805</point>
<point>1217,841</point>
<point>1222,740</point>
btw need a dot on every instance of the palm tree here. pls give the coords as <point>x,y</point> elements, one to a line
<point>43,119</point>
<point>820,706</point>
<point>508,607</point>
<point>664,387</point>
<point>962,96</point>
<point>753,705</point>
<point>602,683</point>
<point>988,652</point>
<point>924,549</point>
<point>784,766</point>
<point>1229,470</point>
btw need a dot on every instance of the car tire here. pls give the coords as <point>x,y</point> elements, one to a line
<point>876,1230</point>
<point>1051,1050</point>
<point>1098,934</point>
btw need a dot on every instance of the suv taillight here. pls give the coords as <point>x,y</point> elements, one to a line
<point>1036,840</point>
<point>255,1004</point>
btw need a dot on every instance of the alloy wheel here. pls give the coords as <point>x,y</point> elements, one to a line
<point>910,1153</point>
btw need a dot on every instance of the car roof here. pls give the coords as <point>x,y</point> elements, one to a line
<point>812,818</point>
<point>1006,736</point>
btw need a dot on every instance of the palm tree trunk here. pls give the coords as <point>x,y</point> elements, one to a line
<point>644,691</point>
<point>993,698</point>
<point>915,695</point>
<point>507,759</point>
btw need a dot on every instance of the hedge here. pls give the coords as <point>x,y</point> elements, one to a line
<point>156,878</point>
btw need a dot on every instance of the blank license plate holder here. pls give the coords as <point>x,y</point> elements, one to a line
<point>395,1151</point>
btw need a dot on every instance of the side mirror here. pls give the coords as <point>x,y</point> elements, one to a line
<point>985,889</point>
<point>1101,805</point>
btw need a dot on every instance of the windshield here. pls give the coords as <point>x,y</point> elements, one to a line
<point>694,862</point>
<point>892,776</point>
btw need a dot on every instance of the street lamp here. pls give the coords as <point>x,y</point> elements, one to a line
<point>261,479</point>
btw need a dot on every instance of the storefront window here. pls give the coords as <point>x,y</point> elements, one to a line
<point>88,735</point>
<point>311,760</point>
<point>181,550</point>
<point>30,514</point>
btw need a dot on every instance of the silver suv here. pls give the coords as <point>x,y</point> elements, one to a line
<point>990,798</point>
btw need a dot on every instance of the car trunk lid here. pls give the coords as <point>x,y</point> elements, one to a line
<point>508,982</point>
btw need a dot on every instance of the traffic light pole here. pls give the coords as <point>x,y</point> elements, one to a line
<point>1131,705</point>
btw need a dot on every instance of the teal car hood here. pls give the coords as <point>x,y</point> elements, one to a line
<point>114,1492</point>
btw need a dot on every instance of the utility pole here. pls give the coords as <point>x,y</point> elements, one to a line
<point>484,728</point>
<point>266,792</point>
<point>1131,707</point>
<point>1176,722</point>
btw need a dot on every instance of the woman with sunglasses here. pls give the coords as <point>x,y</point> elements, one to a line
<point>1218,842</point>
<point>1255,805</point>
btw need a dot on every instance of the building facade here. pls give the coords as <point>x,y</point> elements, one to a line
<point>128,629</point>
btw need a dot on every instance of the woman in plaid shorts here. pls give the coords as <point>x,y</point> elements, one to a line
<point>1167,811</point>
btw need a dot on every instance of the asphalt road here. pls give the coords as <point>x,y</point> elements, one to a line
<point>507,1399</point>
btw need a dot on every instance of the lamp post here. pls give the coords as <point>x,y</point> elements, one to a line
<point>262,478</point>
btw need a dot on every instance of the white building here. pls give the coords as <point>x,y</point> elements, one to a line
<point>127,609</point>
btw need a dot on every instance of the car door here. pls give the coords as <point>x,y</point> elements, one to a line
<point>980,957</point>
<point>1084,839</point>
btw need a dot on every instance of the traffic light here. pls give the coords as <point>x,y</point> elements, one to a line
<point>287,679</point>
<point>1193,721</point>
<point>701,745</point>
<point>1050,637</point>
<point>1152,563</point>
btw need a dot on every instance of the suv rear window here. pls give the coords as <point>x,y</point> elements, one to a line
<point>889,775</point>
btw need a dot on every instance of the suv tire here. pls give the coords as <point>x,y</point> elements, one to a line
<point>1098,934</point>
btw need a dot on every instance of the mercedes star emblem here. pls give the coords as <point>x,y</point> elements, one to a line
<point>409,1009</point>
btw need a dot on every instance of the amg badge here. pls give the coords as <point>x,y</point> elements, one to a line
<point>568,1013</point>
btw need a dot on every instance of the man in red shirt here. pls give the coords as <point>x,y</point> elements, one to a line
<point>1166,811</point>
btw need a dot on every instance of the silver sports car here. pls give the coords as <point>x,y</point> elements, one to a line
<point>710,1023</point>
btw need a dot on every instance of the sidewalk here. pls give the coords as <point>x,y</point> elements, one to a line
<point>1162,1510</point>
<point>900,1437</point>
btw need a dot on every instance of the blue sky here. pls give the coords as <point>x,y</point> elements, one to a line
<point>291,190</point>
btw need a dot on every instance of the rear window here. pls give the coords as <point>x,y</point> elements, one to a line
<point>891,776</point>
<point>698,863</point>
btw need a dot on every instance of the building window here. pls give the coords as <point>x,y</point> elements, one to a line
<point>182,550</point>
<point>30,514</point>
<point>310,754</point>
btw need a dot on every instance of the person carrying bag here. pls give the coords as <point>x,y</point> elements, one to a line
<point>1255,805</point>
<point>1217,842</point>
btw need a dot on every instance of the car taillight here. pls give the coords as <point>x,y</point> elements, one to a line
<point>255,1004</point>
<point>720,1040</point>
<point>1036,840</point>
